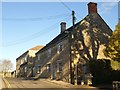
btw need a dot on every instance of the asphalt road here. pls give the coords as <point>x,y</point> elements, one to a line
<point>18,83</point>
<point>43,84</point>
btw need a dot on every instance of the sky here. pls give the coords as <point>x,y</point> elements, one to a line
<point>28,24</point>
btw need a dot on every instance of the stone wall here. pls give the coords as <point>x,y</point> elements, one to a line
<point>53,63</point>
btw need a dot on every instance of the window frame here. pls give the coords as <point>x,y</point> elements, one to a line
<point>48,67</point>
<point>60,48</point>
<point>59,66</point>
<point>49,52</point>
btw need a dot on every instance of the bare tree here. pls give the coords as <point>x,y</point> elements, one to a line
<point>6,65</point>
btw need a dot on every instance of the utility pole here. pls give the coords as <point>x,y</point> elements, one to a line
<point>74,50</point>
<point>73,20</point>
<point>74,34</point>
<point>71,34</point>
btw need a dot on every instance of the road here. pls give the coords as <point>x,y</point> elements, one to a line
<point>19,83</point>
<point>43,84</point>
<point>2,84</point>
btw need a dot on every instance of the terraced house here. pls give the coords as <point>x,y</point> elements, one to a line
<point>67,56</point>
<point>25,63</point>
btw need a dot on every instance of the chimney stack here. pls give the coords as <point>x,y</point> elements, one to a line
<point>92,7</point>
<point>63,26</point>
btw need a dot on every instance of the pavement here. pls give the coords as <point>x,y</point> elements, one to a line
<point>62,83</point>
<point>58,82</point>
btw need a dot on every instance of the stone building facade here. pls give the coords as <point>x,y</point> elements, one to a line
<point>25,62</point>
<point>67,56</point>
<point>21,65</point>
<point>53,60</point>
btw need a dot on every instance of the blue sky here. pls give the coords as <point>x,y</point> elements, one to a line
<point>28,24</point>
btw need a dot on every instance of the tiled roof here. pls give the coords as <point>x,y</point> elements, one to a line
<point>37,48</point>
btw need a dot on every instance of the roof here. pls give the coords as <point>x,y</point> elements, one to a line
<point>37,48</point>
<point>91,18</point>
<point>22,55</point>
<point>55,40</point>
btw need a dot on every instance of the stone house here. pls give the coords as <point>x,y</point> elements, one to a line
<point>67,56</point>
<point>31,60</point>
<point>25,62</point>
<point>21,65</point>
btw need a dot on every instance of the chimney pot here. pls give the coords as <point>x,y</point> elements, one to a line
<point>63,26</point>
<point>92,7</point>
